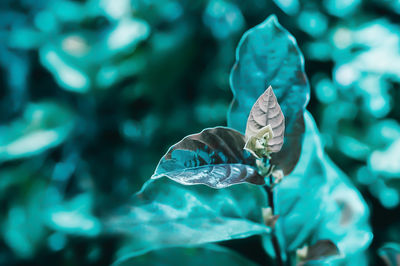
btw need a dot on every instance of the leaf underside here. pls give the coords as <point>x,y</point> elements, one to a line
<point>321,250</point>
<point>213,157</point>
<point>209,254</point>
<point>266,111</point>
<point>168,214</point>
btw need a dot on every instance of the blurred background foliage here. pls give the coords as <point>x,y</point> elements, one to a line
<point>92,93</point>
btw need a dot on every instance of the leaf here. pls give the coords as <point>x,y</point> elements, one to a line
<point>82,60</point>
<point>266,111</point>
<point>22,226</point>
<point>317,201</point>
<point>268,55</point>
<point>73,216</point>
<point>290,7</point>
<point>167,214</point>
<point>209,254</point>
<point>320,251</point>
<point>213,157</point>
<point>390,254</point>
<point>43,126</point>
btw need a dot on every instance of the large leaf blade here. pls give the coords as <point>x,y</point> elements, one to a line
<point>326,207</point>
<point>268,55</point>
<point>209,254</point>
<point>214,157</point>
<point>166,214</point>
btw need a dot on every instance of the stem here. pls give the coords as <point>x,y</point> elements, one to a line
<point>277,249</point>
<point>274,239</point>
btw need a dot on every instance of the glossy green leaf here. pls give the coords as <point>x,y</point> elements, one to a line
<point>317,201</point>
<point>268,55</point>
<point>390,254</point>
<point>214,157</point>
<point>44,125</point>
<point>166,214</point>
<point>266,111</point>
<point>195,256</point>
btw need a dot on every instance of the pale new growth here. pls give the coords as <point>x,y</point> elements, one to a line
<point>302,253</point>
<point>269,219</point>
<point>278,176</point>
<point>258,144</point>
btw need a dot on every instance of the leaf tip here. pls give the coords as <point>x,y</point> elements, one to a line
<point>272,19</point>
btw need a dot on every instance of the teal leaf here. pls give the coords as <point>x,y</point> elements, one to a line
<point>317,201</point>
<point>22,226</point>
<point>390,254</point>
<point>73,216</point>
<point>43,126</point>
<point>290,7</point>
<point>167,214</point>
<point>223,18</point>
<point>268,55</point>
<point>386,162</point>
<point>214,157</point>
<point>82,61</point>
<point>194,256</point>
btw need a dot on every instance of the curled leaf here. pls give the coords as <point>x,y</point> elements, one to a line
<point>266,111</point>
<point>258,143</point>
<point>319,251</point>
<point>214,157</point>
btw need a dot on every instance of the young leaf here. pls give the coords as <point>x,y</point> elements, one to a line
<point>165,214</point>
<point>209,254</point>
<point>213,157</point>
<point>266,111</point>
<point>268,55</point>
<point>258,143</point>
<point>319,251</point>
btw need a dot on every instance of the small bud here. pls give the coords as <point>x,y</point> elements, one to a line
<point>258,143</point>
<point>266,213</point>
<point>269,219</point>
<point>302,253</point>
<point>278,176</point>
